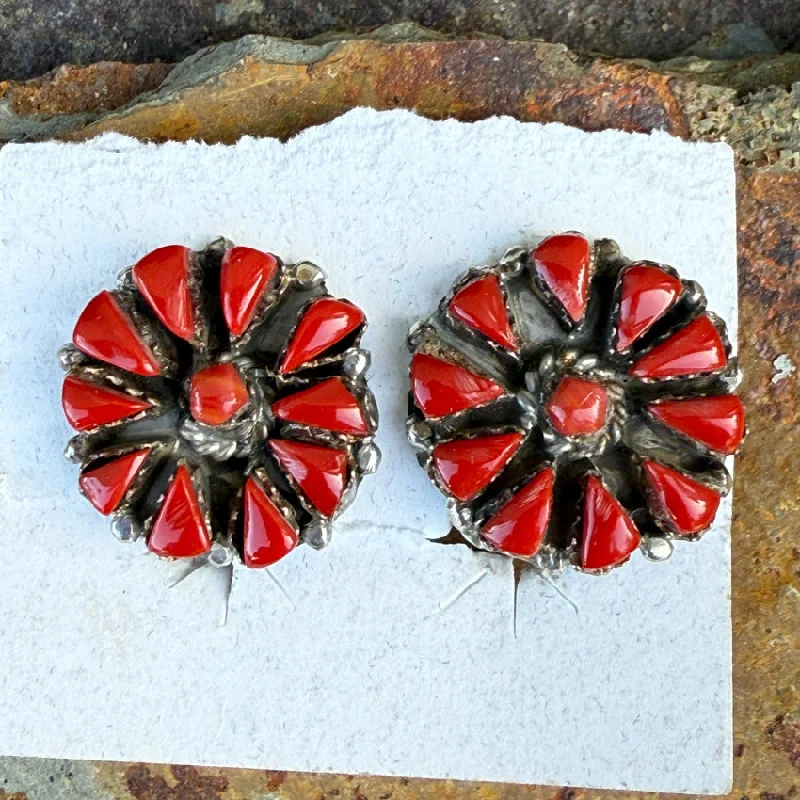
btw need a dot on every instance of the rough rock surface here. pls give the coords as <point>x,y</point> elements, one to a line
<point>273,87</point>
<point>37,35</point>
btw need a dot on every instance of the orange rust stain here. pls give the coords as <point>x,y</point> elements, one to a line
<point>80,90</point>
<point>13,795</point>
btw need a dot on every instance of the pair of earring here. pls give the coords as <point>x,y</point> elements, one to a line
<point>572,406</point>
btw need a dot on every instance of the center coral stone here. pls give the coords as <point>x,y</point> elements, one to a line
<point>216,394</point>
<point>577,406</point>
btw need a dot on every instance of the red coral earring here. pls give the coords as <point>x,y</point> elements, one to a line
<point>221,404</point>
<point>574,406</point>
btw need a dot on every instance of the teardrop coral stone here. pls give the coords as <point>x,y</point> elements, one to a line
<point>325,323</point>
<point>695,349</point>
<point>103,331</point>
<point>106,485</point>
<point>563,261</point>
<point>87,405</point>
<point>717,422</point>
<point>646,294</point>
<point>519,527</point>
<point>320,472</point>
<point>268,536</point>
<point>329,405</point>
<point>687,505</point>
<point>609,535</point>
<point>481,305</point>
<point>179,530</point>
<point>440,387</point>
<point>244,276</point>
<point>162,277</point>
<point>467,466</point>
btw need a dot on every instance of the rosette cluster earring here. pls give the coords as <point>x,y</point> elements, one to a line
<point>220,403</point>
<point>573,406</point>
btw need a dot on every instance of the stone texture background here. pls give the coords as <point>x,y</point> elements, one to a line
<point>38,35</point>
<point>269,87</point>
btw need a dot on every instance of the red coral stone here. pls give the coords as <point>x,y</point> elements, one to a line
<point>647,292</point>
<point>179,530</point>
<point>320,472</point>
<point>717,422</point>
<point>329,405</point>
<point>244,277</point>
<point>467,466</point>
<point>609,535</point>
<point>563,261</point>
<point>87,405</point>
<point>216,394</point>
<point>442,388</point>
<point>519,527</point>
<point>481,305</point>
<point>105,486</point>
<point>268,536</point>
<point>162,277</point>
<point>694,349</point>
<point>325,322</point>
<point>103,331</point>
<point>577,406</point>
<point>687,505</point>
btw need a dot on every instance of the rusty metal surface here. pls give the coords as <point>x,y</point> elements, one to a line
<point>245,90</point>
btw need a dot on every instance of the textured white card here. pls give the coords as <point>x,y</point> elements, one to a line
<point>365,657</point>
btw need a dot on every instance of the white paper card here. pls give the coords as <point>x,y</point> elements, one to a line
<point>369,659</point>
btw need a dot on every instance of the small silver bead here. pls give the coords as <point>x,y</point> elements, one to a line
<point>77,449</point>
<point>656,548</point>
<point>546,364</point>
<point>511,263</point>
<point>460,516</point>
<point>69,357</point>
<point>416,333</point>
<point>585,363</point>
<point>220,555</point>
<point>317,534</point>
<point>356,362</point>
<point>124,529</point>
<point>308,275</point>
<point>420,435</point>
<point>531,381</point>
<point>368,457</point>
